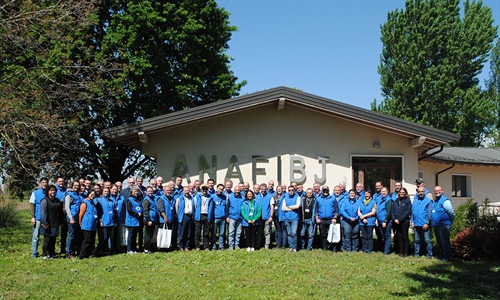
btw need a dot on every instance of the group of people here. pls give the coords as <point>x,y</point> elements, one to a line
<point>210,217</point>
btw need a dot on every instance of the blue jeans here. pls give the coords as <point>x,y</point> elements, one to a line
<point>74,239</point>
<point>291,230</point>
<point>280,233</point>
<point>219,224</point>
<point>385,234</point>
<point>132,238</point>
<point>419,231</point>
<point>308,228</point>
<point>234,233</point>
<point>351,235</point>
<point>34,239</point>
<point>443,240</point>
<point>367,238</point>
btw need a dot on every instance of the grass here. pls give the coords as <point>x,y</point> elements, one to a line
<point>274,274</point>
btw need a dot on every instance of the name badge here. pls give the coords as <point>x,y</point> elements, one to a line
<point>307,210</point>
<point>95,217</point>
<point>110,212</point>
<point>250,214</point>
<point>433,210</point>
<point>138,208</point>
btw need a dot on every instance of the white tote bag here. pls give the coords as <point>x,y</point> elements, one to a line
<point>334,233</point>
<point>124,235</point>
<point>163,239</point>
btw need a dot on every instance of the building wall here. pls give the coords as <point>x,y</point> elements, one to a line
<point>485,180</point>
<point>265,131</point>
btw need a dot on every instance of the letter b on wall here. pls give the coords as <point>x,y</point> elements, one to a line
<point>297,167</point>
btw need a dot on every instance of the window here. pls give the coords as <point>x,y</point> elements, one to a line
<point>461,185</point>
<point>420,174</point>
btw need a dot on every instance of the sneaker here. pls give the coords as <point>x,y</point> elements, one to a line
<point>131,252</point>
<point>266,247</point>
<point>249,249</point>
<point>290,250</point>
<point>294,250</point>
<point>252,249</point>
<point>46,257</point>
<point>197,249</point>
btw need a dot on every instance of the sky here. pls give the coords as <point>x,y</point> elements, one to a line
<point>329,48</point>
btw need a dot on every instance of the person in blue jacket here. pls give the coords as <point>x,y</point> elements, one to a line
<point>72,203</point>
<point>327,212</point>
<point>107,221</point>
<point>165,204</point>
<point>35,199</point>
<point>401,212</point>
<point>118,231</point>
<point>442,219</point>
<point>308,218</point>
<point>367,210</point>
<point>150,213</point>
<point>184,208</point>
<point>279,222</point>
<point>203,217</point>
<point>383,223</point>
<point>266,219</point>
<point>350,222</point>
<point>291,206</point>
<point>233,212</point>
<point>250,213</point>
<point>88,220</point>
<point>420,221</point>
<point>219,219</point>
<point>133,219</point>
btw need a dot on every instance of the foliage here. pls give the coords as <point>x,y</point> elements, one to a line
<point>8,215</point>
<point>475,232</point>
<point>477,244</point>
<point>493,85</point>
<point>69,69</point>
<point>430,61</point>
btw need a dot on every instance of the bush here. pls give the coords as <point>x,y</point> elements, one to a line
<point>475,233</point>
<point>477,244</point>
<point>8,216</point>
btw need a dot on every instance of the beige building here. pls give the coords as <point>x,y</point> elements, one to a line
<point>464,173</point>
<point>285,135</point>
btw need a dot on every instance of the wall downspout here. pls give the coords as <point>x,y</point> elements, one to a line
<point>431,154</point>
<point>442,171</point>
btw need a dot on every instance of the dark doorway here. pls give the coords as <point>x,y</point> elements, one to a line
<point>369,170</point>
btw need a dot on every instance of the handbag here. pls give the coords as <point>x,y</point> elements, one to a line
<point>164,236</point>
<point>124,235</point>
<point>334,233</point>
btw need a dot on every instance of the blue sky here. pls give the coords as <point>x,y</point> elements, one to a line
<point>329,48</point>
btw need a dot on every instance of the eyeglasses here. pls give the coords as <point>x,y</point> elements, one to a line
<point>291,190</point>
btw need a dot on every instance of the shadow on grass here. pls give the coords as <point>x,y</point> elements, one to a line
<point>457,280</point>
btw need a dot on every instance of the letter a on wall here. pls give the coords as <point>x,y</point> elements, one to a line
<point>181,168</point>
<point>233,164</point>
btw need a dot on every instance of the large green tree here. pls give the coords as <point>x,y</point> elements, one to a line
<point>430,62</point>
<point>493,86</point>
<point>69,69</point>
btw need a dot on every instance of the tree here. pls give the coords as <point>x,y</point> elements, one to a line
<point>430,61</point>
<point>493,86</point>
<point>69,69</point>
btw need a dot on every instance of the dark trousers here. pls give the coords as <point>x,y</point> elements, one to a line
<point>141,236</point>
<point>260,233</point>
<point>64,236</point>
<point>104,236</point>
<point>184,232</point>
<point>149,234</point>
<point>49,245</point>
<point>251,235</point>
<point>323,231</point>
<point>401,237</point>
<point>367,238</point>
<point>202,224</point>
<point>88,243</point>
<point>132,238</point>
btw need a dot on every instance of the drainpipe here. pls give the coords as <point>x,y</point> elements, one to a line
<point>427,155</point>
<point>442,171</point>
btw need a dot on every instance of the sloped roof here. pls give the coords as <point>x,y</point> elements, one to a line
<point>128,134</point>
<point>468,156</point>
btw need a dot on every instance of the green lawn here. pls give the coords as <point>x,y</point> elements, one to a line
<point>269,274</point>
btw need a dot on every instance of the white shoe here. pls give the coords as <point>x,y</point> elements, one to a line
<point>252,249</point>
<point>131,252</point>
<point>248,249</point>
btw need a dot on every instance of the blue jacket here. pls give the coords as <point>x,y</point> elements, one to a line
<point>120,207</point>
<point>421,211</point>
<point>197,207</point>
<point>234,207</point>
<point>439,215</point>
<point>384,208</point>
<point>106,211</point>
<point>291,201</point>
<point>220,203</point>
<point>281,213</point>
<point>168,206</point>
<point>180,213</point>
<point>153,210</point>
<point>401,210</point>
<point>61,193</point>
<point>39,195</point>
<point>265,204</point>
<point>89,220</point>
<point>76,201</point>
<point>366,209</point>
<point>326,207</point>
<point>133,208</point>
<point>350,209</point>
